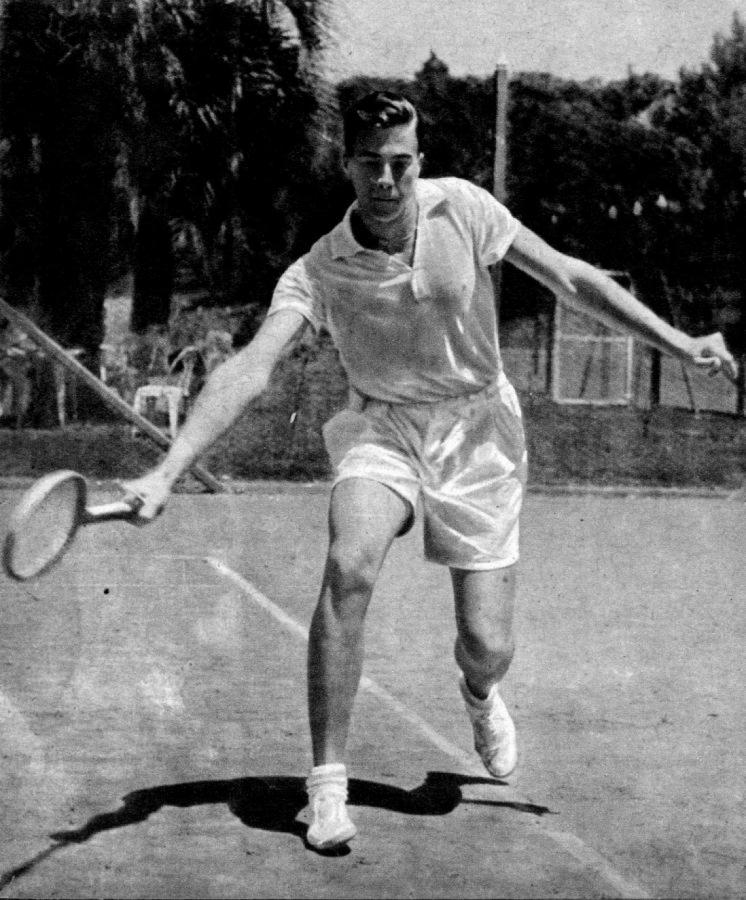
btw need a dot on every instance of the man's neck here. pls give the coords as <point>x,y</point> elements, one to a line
<point>392,238</point>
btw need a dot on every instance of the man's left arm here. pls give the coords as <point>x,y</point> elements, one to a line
<point>589,290</point>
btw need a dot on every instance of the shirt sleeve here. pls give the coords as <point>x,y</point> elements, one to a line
<point>493,225</point>
<point>295,290</point>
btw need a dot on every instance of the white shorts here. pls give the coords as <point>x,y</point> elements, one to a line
<point>464,458</point>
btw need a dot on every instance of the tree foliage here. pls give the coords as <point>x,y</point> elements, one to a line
<point>199,135</point>
<point>708,119</point>
<point>61,97</point>
<point>644,175</point>
<point>228,115</point>
<point>128,124</point>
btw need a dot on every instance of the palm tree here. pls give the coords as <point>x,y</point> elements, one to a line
<point>61,99</point>
<point>230,97</point>
<point>166,108</point>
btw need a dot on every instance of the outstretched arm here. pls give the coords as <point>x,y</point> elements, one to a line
<point>227,392</point>
<point>590,291</point>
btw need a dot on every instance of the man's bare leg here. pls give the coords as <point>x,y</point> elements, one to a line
<point>485,602</point>
<point>364,518</point>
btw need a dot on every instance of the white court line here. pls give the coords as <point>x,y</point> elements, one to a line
<point>588,857</point>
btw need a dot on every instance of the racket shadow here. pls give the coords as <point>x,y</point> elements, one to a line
<point>274,803</point>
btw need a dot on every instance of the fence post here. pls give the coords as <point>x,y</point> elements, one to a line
<point>550,367</point>
<point>675,319</point>
<point>655,377</point>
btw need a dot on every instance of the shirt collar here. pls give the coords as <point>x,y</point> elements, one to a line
<point>343,243</point>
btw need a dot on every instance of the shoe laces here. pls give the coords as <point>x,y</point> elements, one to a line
<point>494,715</point>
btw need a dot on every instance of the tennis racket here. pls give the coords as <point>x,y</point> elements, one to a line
<point>44,523</point>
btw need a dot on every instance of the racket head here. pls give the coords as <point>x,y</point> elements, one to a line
<point>43,524</point>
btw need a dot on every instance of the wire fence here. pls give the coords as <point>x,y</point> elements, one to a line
<point>575,368</point>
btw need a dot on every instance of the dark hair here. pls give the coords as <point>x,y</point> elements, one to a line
<point>379,109</point>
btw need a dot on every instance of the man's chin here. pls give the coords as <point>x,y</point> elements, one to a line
<point>383,212</point>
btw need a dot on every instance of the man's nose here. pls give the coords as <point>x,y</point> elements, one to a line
<point>385,176</point>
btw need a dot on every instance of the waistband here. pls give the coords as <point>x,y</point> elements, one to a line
<point>358,401</point>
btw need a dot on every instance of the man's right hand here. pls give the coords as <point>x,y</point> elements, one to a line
<point>152,490</point>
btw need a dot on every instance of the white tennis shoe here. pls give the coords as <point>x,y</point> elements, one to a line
<point>494,731</point>
<point>331,825</point>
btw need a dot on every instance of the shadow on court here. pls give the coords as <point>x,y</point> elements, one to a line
<point>274,803</point>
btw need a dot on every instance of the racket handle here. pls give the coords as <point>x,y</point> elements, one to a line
<point>119,509</point>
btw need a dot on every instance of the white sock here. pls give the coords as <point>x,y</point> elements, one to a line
<point>329,769</point>
<point>332,775</point>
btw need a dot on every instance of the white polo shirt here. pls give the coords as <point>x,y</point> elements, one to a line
<point>418,333</point>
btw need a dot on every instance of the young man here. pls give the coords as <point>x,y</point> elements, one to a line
<point>403,286</point>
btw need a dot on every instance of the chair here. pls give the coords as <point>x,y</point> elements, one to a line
<point>15,383</point>
<point>20,364</point>
<point>63,382</point>
<point>172,389</point>
<point>215,348</point>
<point>116,371</point>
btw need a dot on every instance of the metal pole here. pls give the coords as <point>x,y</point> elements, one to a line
<point>501,144</point>
<point>105,393</point>
<point>676,322</point>
<point>499,161</point>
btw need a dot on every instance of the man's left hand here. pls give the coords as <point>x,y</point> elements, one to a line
<point>709,352</point>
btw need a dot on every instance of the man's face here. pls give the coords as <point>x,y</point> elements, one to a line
<point>383,170</point>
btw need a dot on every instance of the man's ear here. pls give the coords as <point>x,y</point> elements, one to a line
<point>421,160</point>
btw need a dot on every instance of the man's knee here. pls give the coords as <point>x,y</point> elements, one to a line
<point>485,645</point>
<point>348,585</point>
<point>484,667</point>
<point>352,568</point>
<point>484,616</point>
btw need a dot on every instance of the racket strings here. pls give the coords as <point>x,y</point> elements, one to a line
<point>44,531</point>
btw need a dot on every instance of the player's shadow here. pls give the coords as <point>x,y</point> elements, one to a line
<point>274,803</point>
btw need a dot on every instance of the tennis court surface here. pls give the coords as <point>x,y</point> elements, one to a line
<point>154,739</point>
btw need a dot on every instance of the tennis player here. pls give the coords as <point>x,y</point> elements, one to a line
<point>403,285</point>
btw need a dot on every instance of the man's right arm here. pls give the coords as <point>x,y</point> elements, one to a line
<point>226,394</point>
